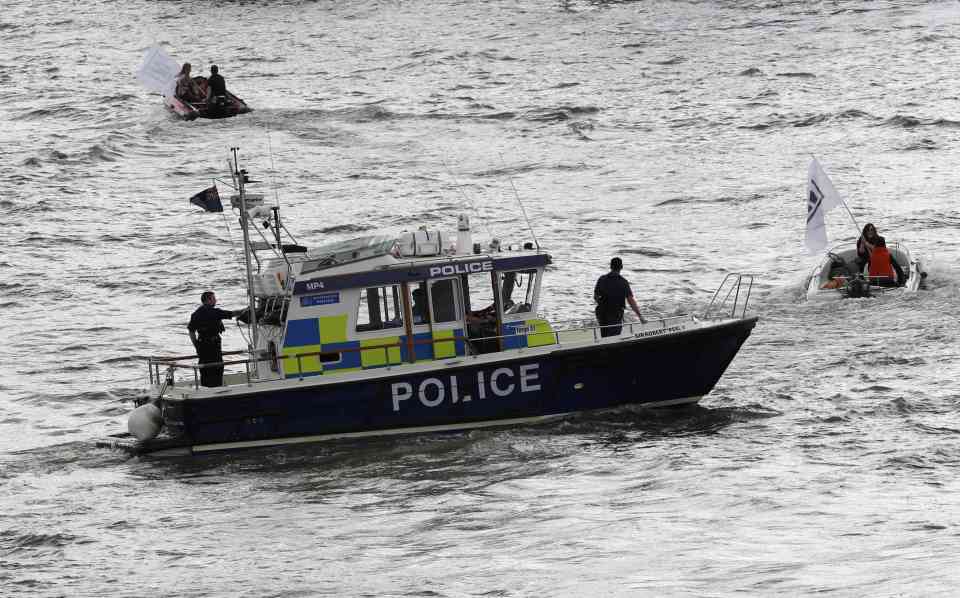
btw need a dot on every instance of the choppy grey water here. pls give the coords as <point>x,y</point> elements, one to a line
<point>675,134</point>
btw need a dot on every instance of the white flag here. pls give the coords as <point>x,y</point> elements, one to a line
<point>821,198</point>
<point>158,72</point>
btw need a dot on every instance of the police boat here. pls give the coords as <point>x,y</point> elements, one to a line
<point>424,332</point>
<point>837,274</point>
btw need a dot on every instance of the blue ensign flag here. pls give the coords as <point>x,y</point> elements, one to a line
<point>208,199</point>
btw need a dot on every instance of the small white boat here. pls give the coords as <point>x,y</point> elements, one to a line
<point>838,275</point>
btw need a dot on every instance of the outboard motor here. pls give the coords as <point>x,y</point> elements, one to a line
<point>858,287</point>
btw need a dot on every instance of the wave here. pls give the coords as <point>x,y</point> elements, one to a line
<point>731,199</point>
<point>90,396</point>
<point>905,121</point>
<point>670,61</point>
<point>13,541</point>
<point>102,153</point>
<point>935,37</point>
<point>675,201</point>
<point>365,114</point>
<point>558,113</point>
<point>853,113</point>
<point>522,168</point>
<point>647,252</point>
<point>922,144</point>
<point>750,72</point>
<point>65,111</point>
<point>777,120</point>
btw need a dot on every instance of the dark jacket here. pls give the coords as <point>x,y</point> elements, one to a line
<point>610,293</point>
<point>217,85</point>
<point>207,322</point>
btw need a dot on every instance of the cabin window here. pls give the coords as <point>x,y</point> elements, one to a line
<point>517,290</point>
<point>478,294</point>
<point>380,308</point>
<point>443,300</point>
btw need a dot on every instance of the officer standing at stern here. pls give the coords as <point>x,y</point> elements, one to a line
<point>206,325</point>
<point>611,293</point>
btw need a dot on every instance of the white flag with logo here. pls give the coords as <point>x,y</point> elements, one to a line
<point>158,72</point>
<point>821,198</point>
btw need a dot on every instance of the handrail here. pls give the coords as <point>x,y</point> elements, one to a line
<point>736,283</point>
<point>578,320</point>
<point>575,325</point>
<point>170,363</point>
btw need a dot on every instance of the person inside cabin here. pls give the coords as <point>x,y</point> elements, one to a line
<point>482,329</point>
<point>216,87</point>
<point>884,269</point>
<point>419,305</point>
<point>187,89</point>
<point>865,244</point>
<point>205,327</point>
<point>611,294</point>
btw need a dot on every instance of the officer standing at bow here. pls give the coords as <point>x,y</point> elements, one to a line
<point>206,325</point>
<point>611,293</point>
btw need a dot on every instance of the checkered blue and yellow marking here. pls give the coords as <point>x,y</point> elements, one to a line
<point>329,334</point>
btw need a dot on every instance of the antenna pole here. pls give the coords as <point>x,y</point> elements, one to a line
<point>240,178</point>
<point>522,209</point>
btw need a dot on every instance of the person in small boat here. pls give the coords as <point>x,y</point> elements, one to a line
<point>205,327</point>
<point>884,269</point>
<point>865,244</point>
<point>216,88</point>
<point>612,293</point>
<point>187,88</point>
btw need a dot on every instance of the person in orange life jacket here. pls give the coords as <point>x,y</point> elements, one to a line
<point>884,270</point>
<point>865,245</point>
<point>206,325</point>
<point>611,293</point>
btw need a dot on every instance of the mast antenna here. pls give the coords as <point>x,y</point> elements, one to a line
<point>522,209</point>
<point>240,178</point>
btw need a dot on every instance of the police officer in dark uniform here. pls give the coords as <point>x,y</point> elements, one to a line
<point>611,293</point>
<point>206,325</point>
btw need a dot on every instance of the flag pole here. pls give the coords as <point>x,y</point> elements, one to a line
<point>855,223</point>
<point>845,206</point>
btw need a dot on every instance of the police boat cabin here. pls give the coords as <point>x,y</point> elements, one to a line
<point>422,332</point>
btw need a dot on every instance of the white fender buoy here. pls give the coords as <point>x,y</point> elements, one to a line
<point>145,422</point>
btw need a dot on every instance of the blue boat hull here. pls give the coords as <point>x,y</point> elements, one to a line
<point>660,370</point>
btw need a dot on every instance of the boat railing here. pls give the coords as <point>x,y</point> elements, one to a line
<point>735,290</point>
<point>632,327</point>
<point>162,369</point>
